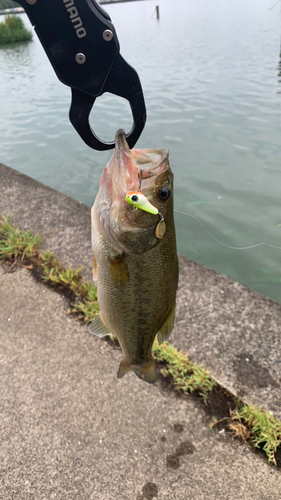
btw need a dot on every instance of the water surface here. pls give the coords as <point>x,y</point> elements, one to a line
<point>210,70</point>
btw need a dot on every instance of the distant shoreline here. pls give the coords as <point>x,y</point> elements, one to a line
<point>20,10</point>
<point>15,10</point>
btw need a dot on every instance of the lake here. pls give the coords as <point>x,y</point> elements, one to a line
<point>211,75</point>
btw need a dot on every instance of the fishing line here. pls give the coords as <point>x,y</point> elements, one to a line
<point>272,7</point>
<point>224,244</point>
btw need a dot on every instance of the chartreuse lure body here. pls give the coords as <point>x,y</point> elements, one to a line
<point>138,200</point>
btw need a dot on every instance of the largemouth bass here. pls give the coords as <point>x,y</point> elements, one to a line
<point>135,263</point>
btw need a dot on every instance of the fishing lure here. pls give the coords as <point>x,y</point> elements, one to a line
<point>138,200</point>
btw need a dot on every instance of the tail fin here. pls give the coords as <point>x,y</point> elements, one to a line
<point>146,373</point>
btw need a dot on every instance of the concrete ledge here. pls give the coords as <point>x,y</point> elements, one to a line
<point>233,331</point>
<point>65,223</point>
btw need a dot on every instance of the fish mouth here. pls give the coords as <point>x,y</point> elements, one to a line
<point>137,166</point>
<point>125,172</point>
<point>134,170</point>
<point>121,141</point>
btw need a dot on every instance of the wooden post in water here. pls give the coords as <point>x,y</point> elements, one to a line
<point>157,12</point>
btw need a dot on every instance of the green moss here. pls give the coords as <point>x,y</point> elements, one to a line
<point>13,30</point>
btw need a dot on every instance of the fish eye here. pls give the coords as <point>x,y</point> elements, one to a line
<point>135,197</point>
<point>164,193</point>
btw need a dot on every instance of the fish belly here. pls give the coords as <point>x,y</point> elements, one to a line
<point>136,294</point>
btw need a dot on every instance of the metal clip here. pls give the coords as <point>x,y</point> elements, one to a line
<point>82,46</point>
<point>122,81</point>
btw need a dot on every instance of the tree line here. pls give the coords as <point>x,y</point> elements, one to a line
<point>8,4</point>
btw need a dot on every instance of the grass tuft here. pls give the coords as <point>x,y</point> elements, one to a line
<point>87,307</point>
<point>58,275</point>
<point>15,243</point>
<point>264,428</point>
<point>187,376</point>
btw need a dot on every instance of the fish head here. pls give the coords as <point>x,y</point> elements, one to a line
<point>127,229</point>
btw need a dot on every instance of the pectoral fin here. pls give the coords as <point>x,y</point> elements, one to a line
<point>166,329</point>
<point>119,270</point>
<point>98,327</point>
